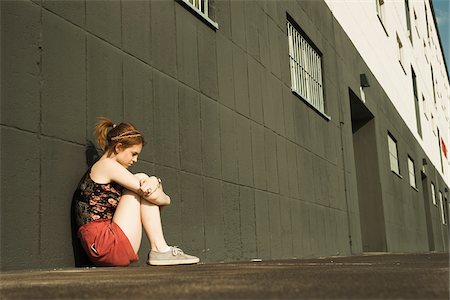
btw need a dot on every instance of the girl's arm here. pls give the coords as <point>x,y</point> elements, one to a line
<point>118,173</point>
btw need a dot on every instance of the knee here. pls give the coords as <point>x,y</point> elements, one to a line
<point>141,175</point>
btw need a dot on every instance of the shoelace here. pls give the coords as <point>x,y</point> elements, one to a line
<point>176,251</point>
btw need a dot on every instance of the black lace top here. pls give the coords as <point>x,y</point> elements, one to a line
<point>94,201</point>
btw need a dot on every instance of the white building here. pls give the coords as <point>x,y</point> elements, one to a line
<point>399,40</point>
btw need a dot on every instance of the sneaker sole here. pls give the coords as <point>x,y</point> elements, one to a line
<point>173,262</point>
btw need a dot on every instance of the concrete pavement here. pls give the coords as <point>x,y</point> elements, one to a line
<point>376,276</point>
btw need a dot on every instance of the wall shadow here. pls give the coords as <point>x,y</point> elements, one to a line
<point>80,257</point>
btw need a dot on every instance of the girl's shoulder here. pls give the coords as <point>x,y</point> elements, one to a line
<point>105,163</point>
<point>99,172</point>
<point>104,169</point>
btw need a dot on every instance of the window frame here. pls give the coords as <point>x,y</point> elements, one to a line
<point>416,101</point>
<point>400,54</point>
<point>408,20</point>
<point>306,68</point>
<point>412,173</point>
<point>433,194</point>
<point>380,6</point>
<point>443,216</point>
<point>394,142</point>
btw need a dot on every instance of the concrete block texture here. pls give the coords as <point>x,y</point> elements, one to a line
<point>282,166</point>
<point>103,19</point>
<point>252,170</point>
<point>71,10</point>
<point>210,137</point>
<point>276,246</point>
<point>237,13</point>
<point>104,83</point>
<point>192,214</point>
<point>259,156</point>
<point>136,29</point>
<point>255,85</point>
<point>64,79</point>
<point>232,221</point>
<point>164,37</point>
<point>214,220</point>
<point>187,50</point>
<point>248,222</point>
<point>21,64</point>
<point>263,36</point>
<point>251,28</point>
<point>228,144</point>
<point>287,236</point>
<point>207,62</point>
<point>270,145</point>
<point>166,136</point>
<point>225,73</point>
<point>58,183</point>
<point>190,133</point>
<point>240,75</point>
<point>244,148</point>
<point>171,215</point>
<point>262,224</point>
<point>138,102</point>
<point>223,17</point>
<point>274,49</point>
<point>20,196</point>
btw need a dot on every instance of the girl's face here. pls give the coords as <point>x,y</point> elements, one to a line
<point>128,156</point>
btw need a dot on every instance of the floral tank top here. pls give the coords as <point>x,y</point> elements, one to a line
<point>94,201</point>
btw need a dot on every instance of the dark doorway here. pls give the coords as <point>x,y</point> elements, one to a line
<point>368,179</point>
<point>426,199</point>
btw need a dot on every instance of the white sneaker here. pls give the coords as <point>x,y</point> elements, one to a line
<point>175,256</point>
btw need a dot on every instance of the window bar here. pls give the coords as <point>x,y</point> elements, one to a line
<point>311,81</point>
<point>297,62</point>
<point>304,79</point>
<point>300,64</point>
<point>295,58</point>
<point>205,7</point>
<point>308,70</point>
<point>321,86</point>
<point>318,87</point>
<point>292,60</point>
<point>314,81</point>
<point>291,57</point>
<point>316,94</point>
<point>311,76</point>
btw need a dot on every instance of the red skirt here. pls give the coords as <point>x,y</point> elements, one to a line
<point>106,244</point>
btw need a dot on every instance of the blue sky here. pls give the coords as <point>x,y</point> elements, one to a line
<point>442,12</point>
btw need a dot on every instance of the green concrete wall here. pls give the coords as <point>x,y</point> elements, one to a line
<point>253,172</point>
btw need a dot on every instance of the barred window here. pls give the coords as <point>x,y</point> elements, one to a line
<point>201,5</point>
<point>203,8</point>
<point>306,68</point>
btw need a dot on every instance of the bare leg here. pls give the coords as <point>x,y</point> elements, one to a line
<point>132,213</point>
<point>128,217</point>
<point>151,219</point>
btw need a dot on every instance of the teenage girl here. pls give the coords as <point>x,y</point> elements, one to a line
<point>112,204</point>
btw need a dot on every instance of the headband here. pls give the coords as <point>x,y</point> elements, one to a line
<point>126,134</point>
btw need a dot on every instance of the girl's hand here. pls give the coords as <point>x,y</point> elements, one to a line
<point>149,185</point>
